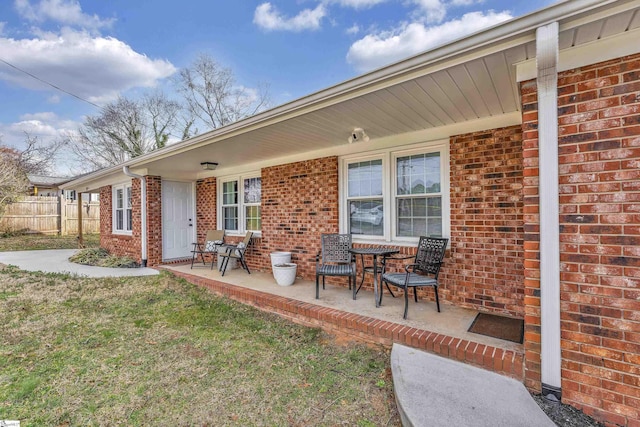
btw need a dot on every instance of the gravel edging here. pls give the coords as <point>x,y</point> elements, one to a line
<point>565,415</point>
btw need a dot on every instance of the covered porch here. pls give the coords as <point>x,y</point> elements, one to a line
<point>445,333</point>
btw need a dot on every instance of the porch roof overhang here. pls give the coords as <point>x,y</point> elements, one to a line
<point>466,85</point>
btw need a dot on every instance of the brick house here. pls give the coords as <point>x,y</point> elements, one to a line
<point>521,143</point>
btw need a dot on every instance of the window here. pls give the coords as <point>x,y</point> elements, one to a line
<point>241,212</point>
<point>122,209</point>
<point>396,196</point>
<point>418,199</point>
<point>364,197</point>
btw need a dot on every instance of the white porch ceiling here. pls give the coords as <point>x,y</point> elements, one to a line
<point>475,81</point>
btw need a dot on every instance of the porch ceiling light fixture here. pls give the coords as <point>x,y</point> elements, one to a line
<point>209,166</point>
<point>358,135</point>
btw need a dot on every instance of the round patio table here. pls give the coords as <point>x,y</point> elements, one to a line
<point>374,252</point>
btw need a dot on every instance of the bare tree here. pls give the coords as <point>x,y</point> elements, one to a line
<point>16,164</point>
<point>125,129</point>
<point>212,95</point>
<point>13,179</point>
<point>163,115</point>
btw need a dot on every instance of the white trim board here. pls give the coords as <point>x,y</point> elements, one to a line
<point>587,54</point>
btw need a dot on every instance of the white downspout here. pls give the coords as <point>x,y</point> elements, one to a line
<point>547,81</point>
<point>143,211</point>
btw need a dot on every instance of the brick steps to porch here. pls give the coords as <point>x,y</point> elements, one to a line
<point>368,329</point>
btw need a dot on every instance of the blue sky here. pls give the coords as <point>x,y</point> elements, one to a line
<point>98,49</point>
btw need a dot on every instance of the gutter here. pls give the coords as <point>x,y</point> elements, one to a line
<point>143,211</point>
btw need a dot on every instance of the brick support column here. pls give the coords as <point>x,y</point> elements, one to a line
<point>599,176</point>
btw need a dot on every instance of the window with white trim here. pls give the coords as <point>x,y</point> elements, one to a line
<point>122,209</point>
<point>396,195</point>
<point>241,204</point>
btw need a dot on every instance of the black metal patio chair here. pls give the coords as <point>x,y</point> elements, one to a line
<point>212,241</point>
<point>423,271</point>
<point>236,252</point>
<point>335,260</point>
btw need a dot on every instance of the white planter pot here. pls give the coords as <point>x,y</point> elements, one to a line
<point>285,274</point>
<point>280,258</point>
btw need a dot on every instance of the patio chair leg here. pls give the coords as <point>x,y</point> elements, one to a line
<point>382,292</point>
<point>415,294</point>
<point>193,258</point>
<point>389,289</point>
<point>244,264</point>
<point>223,268</point>
<point>317,287</point>
<point>355,291</point>
<point>435,288</point>
<point>406,302</point>
<point>323,282</point>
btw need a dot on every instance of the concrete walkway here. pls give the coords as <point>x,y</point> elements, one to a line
<point>434,391</point>
<point>57,261</point>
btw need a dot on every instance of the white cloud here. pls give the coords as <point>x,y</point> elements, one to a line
<point>465,2</point>
<point>65,12</point>
<point>376,50</point>
<point>431,11</point>
<point>354,29</point>
<point>2,24</point>
<point>47,127</point>
<point>94,68</point>
<point>357,4</point>
<point>269,18</point>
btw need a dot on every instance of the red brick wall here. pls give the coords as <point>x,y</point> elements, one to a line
<point>154,220</point>
<point>120,244</point>
<point>299,203</point>
<point>206,211</point>
<point>599,146</point>
<point>485,269</point>
<point>125,245</point>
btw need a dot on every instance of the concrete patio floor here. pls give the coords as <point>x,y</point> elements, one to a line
<point>452,321</point>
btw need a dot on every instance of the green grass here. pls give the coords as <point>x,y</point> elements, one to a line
<point>29,242</point>
<point>159,351</point>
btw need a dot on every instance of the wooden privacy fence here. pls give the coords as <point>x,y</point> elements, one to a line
<point>50,215</point>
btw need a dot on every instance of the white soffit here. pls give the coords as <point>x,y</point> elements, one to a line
<point>472,79</point>
<point>592,42</point>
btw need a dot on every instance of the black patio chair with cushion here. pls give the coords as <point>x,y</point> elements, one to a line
<point>335,260</point>
<point>422,272</point>
<point>213,240</point>
<point>236,252</point>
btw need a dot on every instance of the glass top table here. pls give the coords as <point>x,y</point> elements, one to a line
<point>375,252</point>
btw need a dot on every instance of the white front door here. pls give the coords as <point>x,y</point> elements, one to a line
<point>177,219</point>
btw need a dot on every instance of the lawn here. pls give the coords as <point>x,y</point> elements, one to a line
<point>160,351</point>
<point>29,242</point>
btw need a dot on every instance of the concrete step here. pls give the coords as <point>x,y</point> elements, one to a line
<point>434,391</point>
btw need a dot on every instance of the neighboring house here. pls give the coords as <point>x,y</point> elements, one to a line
<point>521,143</point>
<point>49,186</point>
<point>43,185</point>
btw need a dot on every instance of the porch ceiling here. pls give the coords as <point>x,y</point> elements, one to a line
<point>471,79</point>
<point>481,88</point>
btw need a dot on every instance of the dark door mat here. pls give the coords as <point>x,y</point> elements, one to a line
<point>501,327</point>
